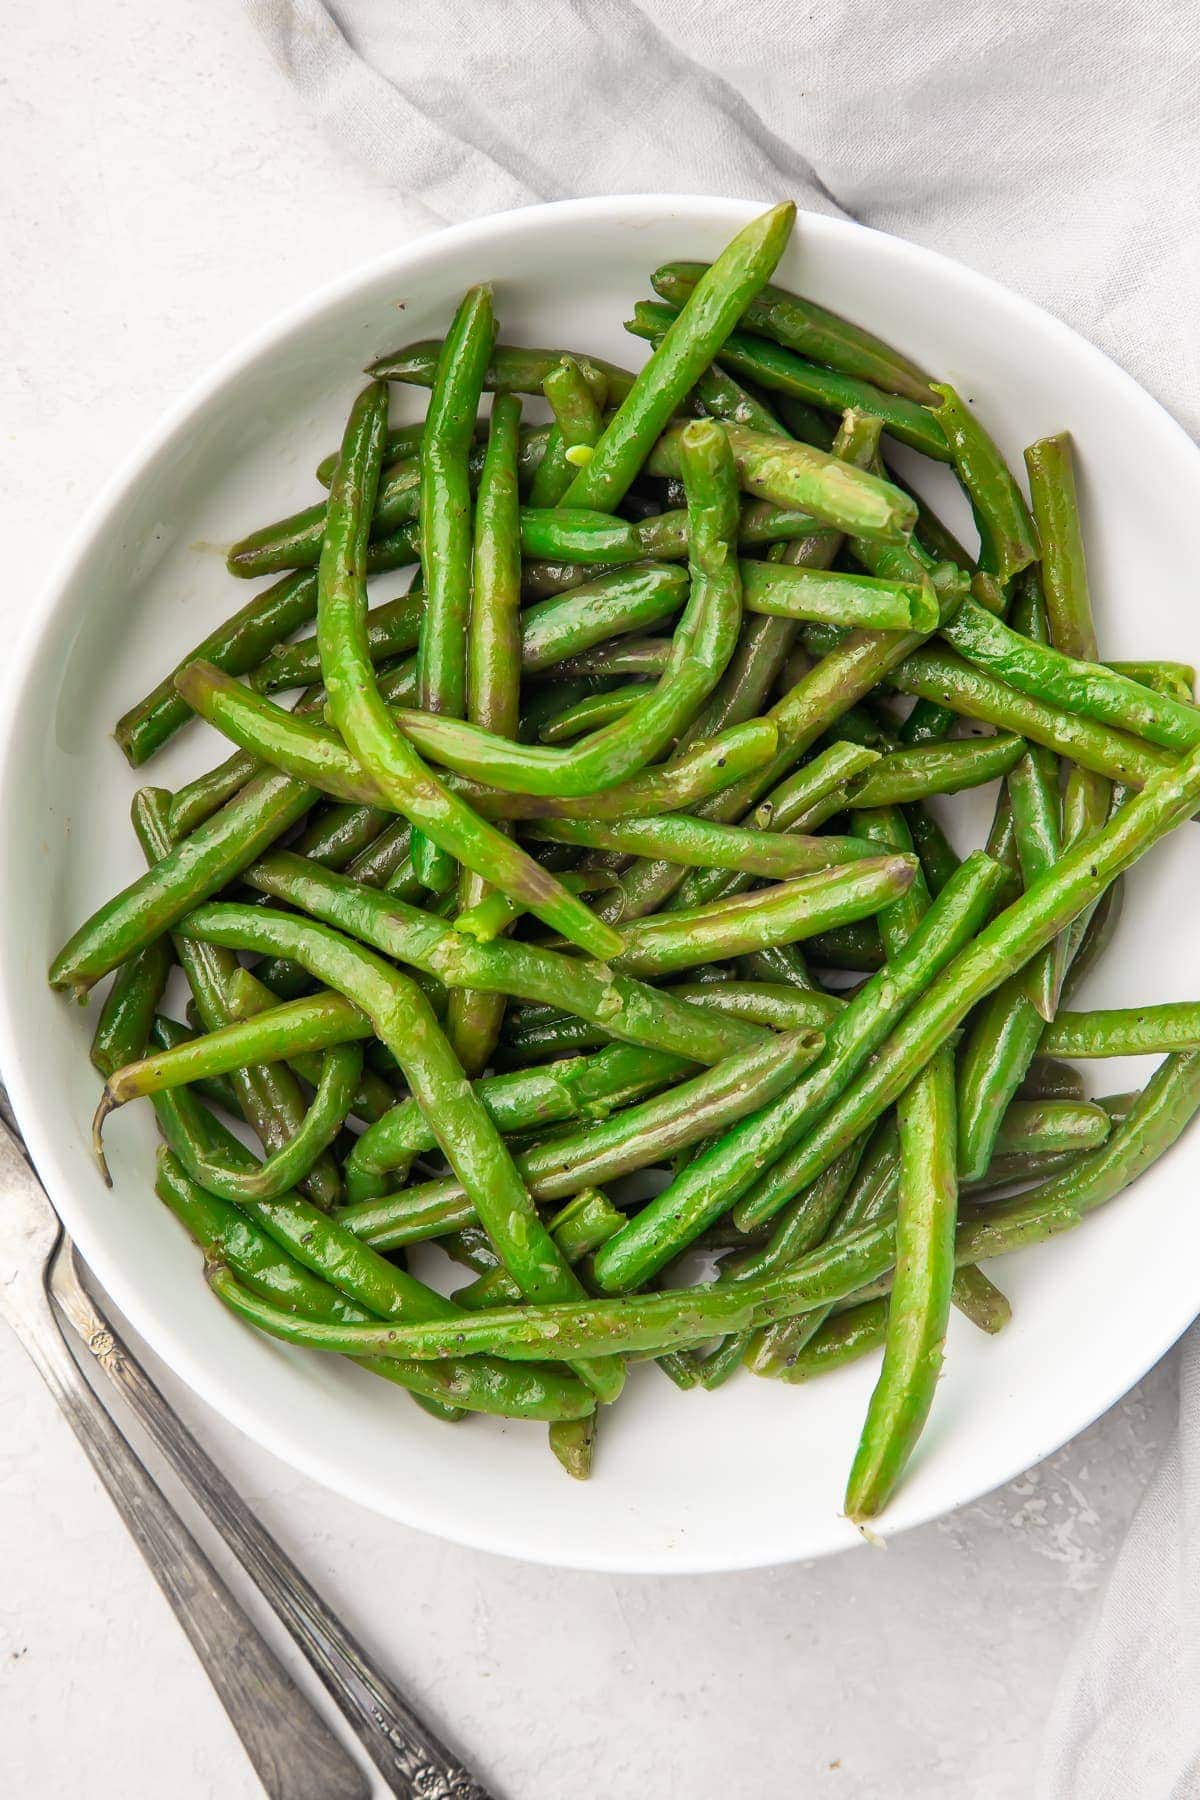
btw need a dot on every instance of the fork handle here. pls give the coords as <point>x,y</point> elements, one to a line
<point>294,1754</point>
<point>412,1759</point>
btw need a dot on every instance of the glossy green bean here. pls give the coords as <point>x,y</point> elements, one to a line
<point>1002,947</point>
<point>1124,1031</point>
<point>188,873</point>
<point>703,845</point>
<point>944,676</point>
<point>493,688</point>
<point>587,1220</point>
<point>1033,795</point>
<point>812,331</point>
<point>588,1087</point>
<point>775,368</point>
<point>706,1188</point>
<point>1008,541</point>
<point>364,722</point>
<point>603,1150</point>
<point>626,1008</point>
<point>130,1007</point>
<point>688,346</point>
<point>236,646</point>
<point>578,424</point>
<point>466,1135</point>
<point>593,711</point>
<point>792,474</point>
<point>513,368</point>
<point>840,599</point>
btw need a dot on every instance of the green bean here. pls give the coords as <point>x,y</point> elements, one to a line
<point>687,348</point>
<point>901,776</point>
<point>303,1274</point>
<point>467,1137</point>
<point>780,914</point>
<point>578,423</point>
<point>656,1322</point>
<point>797,475</point>
<point>777,369</point>
<point>445,514</point>
<point>816,791</point>
<point>701,844</point>
<point>602,1150</point>
<point>573,1442</point>
<point>295,542</point>
<point>130,1006</point>
<point>316,1022</point>
<point>513,369</point>
<point>1176,679</point>
<point>764,1001</point>
<point>1008,541</point>
<point>798,593</point>
<point>1124,1031</point>
<point>764,642</point>
<point>1033,794</point>
<point>1001,1042</point>
<point>855,947</point>
<point>707,1187</point>
<point>633,656</point>
<point>841,1339</point>
<point>493,653</point>
<point>236,646</point>
<point>249,998</point>
<point>337,836</point>
<point>167,1034</point>
<point>269,1099</point>
<point>1045,673</point>
<point>385,862</point>
<point>186,874</point>
<point>401,441</point>
<point>586,1221</point>
<point>1048,1079</point>
<point>707,766</point>
<point>1002,947</point>
<point>626,1008</point>
<point>392,629</point>
<point>1049,463</point>
<point>943,676</point>
<point>704,641</point>
<point>980,1300</point>
<point>623,600</point>
<point>365,724</point>
<point>1046,1127</point>
<point>715,392</point>
<point>593,711</point>
<point>585,541</point>
<point>812,331</point>
<point>288,1165</point>
<point>589,1087</point>
<point>197,800</point>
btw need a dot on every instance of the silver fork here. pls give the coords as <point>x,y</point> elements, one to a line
<point>414,1762</point>
<point>295,1755</point>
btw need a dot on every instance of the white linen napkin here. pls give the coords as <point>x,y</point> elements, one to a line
<point>1052,144</point>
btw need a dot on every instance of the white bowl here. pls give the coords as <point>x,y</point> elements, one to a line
<point>752,1474</point>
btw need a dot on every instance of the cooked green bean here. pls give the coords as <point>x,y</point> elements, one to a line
<point>493,688</point>
<point>1124,1031</point>
<point>1002,947</point>
<point>513,369</point>
<point>130,1007</point>
<point>589,1087</point>
<point>626,1008</point>
<point>774,368</point>
<point>713,308</point>
<point>703,845</point>
<point>840,599</point>
<point>707,1187</point>
<point>364,722</point>
<point>603,1150</point>
<point>236,646</point>
<point>578,424</point>
<point>1008,541</point>
<point>812,331</point>
<point>593,711</point>
<point>1033,796</point>
<point>403,1020</point>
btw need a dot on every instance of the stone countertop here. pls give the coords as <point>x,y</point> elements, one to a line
<point>162,194</point>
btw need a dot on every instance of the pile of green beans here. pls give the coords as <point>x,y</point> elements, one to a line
<point>592,911</point>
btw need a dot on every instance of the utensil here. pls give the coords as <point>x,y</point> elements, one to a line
<point>407,1753</point>
<point>753,1474</point>
<point>295,1755</point>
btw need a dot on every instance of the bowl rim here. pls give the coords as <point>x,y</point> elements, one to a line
<point>155,1325</point>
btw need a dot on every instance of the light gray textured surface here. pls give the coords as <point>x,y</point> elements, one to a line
<point>161,194</point>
